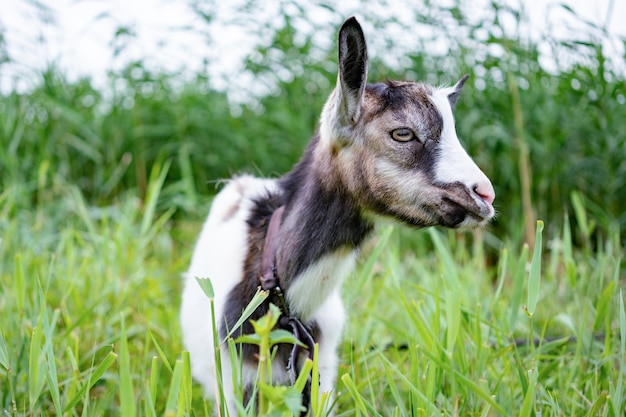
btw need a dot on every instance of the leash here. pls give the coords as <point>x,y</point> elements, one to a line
<point>270,282</point>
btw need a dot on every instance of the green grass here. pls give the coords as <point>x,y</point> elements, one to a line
<point>90,300</point>
<point>460,326</point>
<point>102,195</point>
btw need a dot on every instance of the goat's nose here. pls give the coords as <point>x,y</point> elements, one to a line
<point>485,191</point>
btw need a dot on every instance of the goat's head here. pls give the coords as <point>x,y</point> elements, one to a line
<point>394,147</point>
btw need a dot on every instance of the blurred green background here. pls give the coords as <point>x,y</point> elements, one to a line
<point>551,139</point>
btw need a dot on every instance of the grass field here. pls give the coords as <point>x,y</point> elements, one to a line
<point>90,303</point>
<point>103,193</point>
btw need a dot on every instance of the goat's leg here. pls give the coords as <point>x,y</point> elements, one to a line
<point>330,319</point>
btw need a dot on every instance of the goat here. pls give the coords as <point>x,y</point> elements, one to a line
<point>382,150</point>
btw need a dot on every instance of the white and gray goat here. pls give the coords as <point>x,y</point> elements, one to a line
<point>383,150</point>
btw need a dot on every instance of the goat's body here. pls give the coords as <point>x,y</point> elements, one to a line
<point>221,254</point>
<point>387,150</point>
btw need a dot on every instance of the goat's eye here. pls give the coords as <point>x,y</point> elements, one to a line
<point>403,135</point>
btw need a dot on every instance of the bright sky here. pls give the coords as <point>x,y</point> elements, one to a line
<point>80,36</point>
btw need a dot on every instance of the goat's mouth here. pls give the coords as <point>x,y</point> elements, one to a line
<point>464,212</point>
<point>447,212</point>
<point>453,207</point>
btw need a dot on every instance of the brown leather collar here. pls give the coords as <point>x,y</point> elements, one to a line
<point>270,282</point>
<point>269,279</point>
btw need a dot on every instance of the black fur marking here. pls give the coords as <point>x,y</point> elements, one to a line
<point>316,221</point>
<point>426,158</point>
<point>352,55</point>
<point>328,218</point>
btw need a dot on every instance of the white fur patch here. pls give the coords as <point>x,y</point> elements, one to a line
<point>313,286</point>
<point>219,255</point>
<point>331,318</point>
<point>454,164</point>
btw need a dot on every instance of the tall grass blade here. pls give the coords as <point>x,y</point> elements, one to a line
<point>474,387</point>
<point>36,359</point>
<point>535,272</point>
<point>393,387</point>
<point>162,354</point>
<point>36,375</point>
<point>502,270</point>
<point>236,367</point>
<point>622,328</point>
<point>303,376</point>
<point>450,270</point>
<point>617,391</point>
<point>206,286</point>
<point>487,408</point>
<point>4,352</point>
<point>518,286</point>
<point>55,393</point>
<point>81,209</point>
<point>362,406</point>
<point>186,386</point>
<point>92,379</point>
<point>127,398</point>
<point>155,185</point>
<point>18,282</point>
<point>186,167</point>
<point>586,226</point>
<point>149,403</point>
<point>529,397</point>
<point>568,256</point>
<point>367,269</point>
<point>316,407</point>
<point>153,383</point>
<point>597,405</point>
<point>603,305</point>
<point>453,318</point>
<point>51,369</point>
<point>175,386</point>
<point>426,403</point>
<point>256,301</point>
<point>523,159</point>
<point>75,378</point>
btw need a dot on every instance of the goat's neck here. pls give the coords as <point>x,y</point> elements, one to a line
<point>321,232</point>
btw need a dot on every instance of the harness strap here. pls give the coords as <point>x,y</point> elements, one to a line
<point>269,282</point>
<point>302,333</point>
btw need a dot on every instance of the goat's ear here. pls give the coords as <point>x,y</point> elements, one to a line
<point>352,75</point>
<point>456,91</point>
